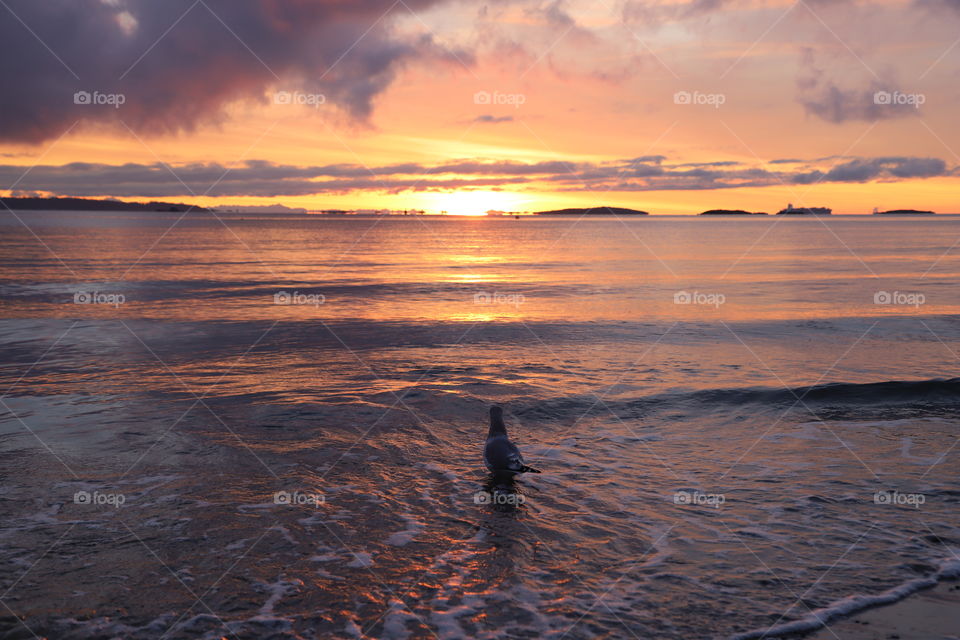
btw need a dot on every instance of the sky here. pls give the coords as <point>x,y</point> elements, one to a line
<point>671,107</point>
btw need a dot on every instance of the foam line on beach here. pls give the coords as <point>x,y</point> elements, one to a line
<point>819,618</point>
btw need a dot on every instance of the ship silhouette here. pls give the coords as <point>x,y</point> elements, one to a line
<point>805,211</point>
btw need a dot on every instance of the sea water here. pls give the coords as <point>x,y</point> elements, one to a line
<point>272,426</point>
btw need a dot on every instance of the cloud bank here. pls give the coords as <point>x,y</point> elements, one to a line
<point>266,179</point>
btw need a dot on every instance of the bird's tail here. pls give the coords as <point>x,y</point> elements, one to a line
<point>527,469</point>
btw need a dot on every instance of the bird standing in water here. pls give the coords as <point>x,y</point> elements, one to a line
<point>500,455</point>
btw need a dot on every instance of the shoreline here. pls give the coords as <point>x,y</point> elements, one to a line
<point>859,609</point>
<point>928,614</point>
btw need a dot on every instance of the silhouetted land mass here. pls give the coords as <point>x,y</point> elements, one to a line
<point>593,211</point>
<point>904,212</point>
<point>86,204</point>
<point>733,212</point>
<point>791,210</point>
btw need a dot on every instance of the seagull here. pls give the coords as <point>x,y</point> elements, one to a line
<point>499,454</point>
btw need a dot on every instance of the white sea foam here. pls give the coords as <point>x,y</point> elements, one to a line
<point>276,591</point>
<point>414,526</point>
<point>395,622</point>
<point>854,604</point>
<point>352,629</point>
<point>283,531</point>
<point>450,475</point>
<point>361,559</point>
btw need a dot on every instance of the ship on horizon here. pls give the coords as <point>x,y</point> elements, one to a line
<point>805,211</point>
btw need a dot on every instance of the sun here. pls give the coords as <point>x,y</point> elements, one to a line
<point>474,203</point>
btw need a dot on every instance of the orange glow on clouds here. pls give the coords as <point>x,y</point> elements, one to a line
<point>597,88</point>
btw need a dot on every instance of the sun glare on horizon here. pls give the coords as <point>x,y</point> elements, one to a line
<point>475,203</point>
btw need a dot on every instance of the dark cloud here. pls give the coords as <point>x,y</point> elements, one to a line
<point>264,179</point>
<point>488,119</point>
<point>916,167</point>
<point>555,15</point>
<point>641,171</point>
<point>831,103</point>
<point>826,99</point>
<point>937,5</point>
<point>178,62</point>
<point>855,171</point>
<point>720,163</point>
<point>866,169</point>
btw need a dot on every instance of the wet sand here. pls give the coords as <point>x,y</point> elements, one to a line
<point>933,614</point>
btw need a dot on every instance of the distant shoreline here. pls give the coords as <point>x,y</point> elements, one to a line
<point>90,204</point>
<point>593,211</point>
<point>904,212</point>
<point>732,212</point>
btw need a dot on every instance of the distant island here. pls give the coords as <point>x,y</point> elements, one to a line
<point>733,212</point>
<point>86,204</point>
<point>805,211</point>
<point>592,211</point>
<point>904,212</point>
<point>272,208</point>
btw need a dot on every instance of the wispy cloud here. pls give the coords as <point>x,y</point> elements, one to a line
<point>827,98</point>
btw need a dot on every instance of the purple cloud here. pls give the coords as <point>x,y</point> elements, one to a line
<point>177,63</point>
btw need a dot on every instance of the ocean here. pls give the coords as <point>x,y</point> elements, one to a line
<point>271,426</point>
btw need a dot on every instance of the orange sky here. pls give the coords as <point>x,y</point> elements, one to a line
<point>587,85</point>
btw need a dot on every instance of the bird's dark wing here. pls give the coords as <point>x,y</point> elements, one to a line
<point>502,455</point>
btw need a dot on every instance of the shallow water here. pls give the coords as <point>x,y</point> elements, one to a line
<point>709,468</point>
